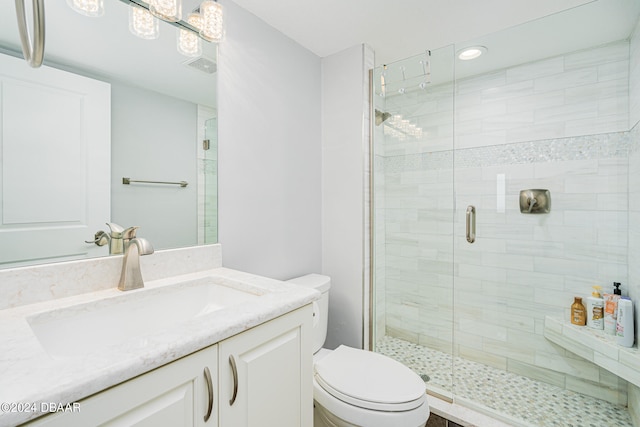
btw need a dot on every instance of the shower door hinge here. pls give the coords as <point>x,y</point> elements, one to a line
<point>206,144</point>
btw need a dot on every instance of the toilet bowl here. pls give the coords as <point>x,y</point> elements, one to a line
<point>359,388</point>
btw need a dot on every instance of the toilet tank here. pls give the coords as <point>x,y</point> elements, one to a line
<point>320,307</point>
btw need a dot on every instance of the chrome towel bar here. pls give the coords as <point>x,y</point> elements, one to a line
<point>127,181</point>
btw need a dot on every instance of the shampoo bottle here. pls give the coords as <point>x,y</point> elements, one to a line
<point>624,324</point>
<point>578,313</point>
<point>595,309</point>
<point>611,309</point>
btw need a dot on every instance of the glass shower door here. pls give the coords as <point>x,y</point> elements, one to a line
<point>413,215</point>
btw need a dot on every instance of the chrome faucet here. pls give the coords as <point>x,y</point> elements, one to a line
<point>134,247</point>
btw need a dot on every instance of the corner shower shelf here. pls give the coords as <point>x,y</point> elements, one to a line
<point>595,346</point>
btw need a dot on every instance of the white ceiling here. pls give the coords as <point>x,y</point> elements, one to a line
<point>397,29</point>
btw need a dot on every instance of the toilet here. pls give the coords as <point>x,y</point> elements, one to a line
<point>359,388</point>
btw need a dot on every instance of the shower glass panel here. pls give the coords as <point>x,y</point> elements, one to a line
<point>413,214</point>
<point>555,120</point>
<point>546,107</point>
<point>209,164</point>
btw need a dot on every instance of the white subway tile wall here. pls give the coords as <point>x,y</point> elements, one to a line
<point>561,124</point>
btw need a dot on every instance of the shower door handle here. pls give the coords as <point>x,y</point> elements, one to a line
<point>471,223</point>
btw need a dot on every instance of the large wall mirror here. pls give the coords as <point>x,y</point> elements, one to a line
<point>106,105</point>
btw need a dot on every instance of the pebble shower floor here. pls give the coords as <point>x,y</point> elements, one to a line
<point>534,402</point>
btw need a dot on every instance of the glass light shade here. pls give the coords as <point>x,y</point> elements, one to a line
<point>168,10</point>
<point>189,44</point>
<point>143,24</point>
<point>212,23</point>
<point>87,7</point>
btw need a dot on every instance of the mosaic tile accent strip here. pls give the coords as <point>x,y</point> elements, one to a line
<point>533,402</point>
<point>601,146</point>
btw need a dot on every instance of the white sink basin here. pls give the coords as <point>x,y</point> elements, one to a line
<point>134,316</point>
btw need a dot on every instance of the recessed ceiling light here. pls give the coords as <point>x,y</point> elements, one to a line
<point>471,52</point>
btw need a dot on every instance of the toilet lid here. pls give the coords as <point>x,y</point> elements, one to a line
<point>369,380</point>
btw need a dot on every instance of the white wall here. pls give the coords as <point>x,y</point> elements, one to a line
<point>153,137</point>
<point>344,147</point>
<point>291,203</point>
<point>269,150</point>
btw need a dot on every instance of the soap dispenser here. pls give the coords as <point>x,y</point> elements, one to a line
<point>595,309</point>
<point>611,309</point>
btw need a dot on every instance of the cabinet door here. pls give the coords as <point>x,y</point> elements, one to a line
<point>271,376</point>
<point>175,395</point>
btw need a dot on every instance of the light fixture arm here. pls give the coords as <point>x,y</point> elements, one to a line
<point>183,25</point>
<point>33,50</point>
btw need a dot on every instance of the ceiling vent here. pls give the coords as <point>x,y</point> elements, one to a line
<point>203,64</point>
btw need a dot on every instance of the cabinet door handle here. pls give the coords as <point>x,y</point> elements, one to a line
<point>234,370</point>
<point>207,376</point>
<point>471,223</point>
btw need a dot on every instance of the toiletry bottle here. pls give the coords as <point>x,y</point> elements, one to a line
<point>611,309</point>
<point>578,312</point>
<point>624,324</point>
<point>595,309</point>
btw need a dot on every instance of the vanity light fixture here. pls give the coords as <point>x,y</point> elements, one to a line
<point>167,10</point>
<point>206,22</point>
<point>212,21</point>
<point>143,24</point>
<point>189,44</point>
<point>87,7</point>
<point>471,52</point>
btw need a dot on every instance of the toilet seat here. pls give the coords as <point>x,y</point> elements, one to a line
<point>369,380</point>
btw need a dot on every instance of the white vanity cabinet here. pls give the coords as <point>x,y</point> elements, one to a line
<point>173,395</point>
<point>271,379</point>
<point>265,374</point>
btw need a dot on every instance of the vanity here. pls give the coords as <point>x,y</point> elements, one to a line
<point>199,345</point>
<point>118,129</point>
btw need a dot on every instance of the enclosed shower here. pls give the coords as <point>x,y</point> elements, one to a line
<point>503,187</point>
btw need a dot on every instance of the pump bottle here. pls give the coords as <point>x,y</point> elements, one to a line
<point>611,309</point>
<point>595,309</point>
<point>624,323</point>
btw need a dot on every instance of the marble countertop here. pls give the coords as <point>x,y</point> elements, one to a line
<point>30,375</point>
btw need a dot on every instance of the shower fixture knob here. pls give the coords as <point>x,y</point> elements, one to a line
<point>535,201</point>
